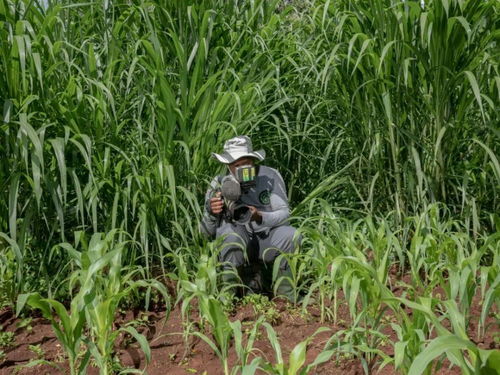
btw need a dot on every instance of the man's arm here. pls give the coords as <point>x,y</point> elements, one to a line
<point>209,222</point>
<point>280,210</point>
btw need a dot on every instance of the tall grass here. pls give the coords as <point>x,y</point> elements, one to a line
<point>110,124</point>
<point>110,110</point>
<point>409,92</point>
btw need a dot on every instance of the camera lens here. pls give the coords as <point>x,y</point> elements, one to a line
<point>242,214</point>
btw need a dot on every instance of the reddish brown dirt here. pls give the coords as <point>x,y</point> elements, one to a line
<point>170,355</point>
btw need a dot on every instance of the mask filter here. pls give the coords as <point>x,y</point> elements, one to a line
<point>246,176</point>
<point>230,188</point>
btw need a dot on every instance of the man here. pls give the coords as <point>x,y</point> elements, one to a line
<point>265,235</point>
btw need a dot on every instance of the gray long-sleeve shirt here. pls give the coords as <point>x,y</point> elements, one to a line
<point>268,196</point>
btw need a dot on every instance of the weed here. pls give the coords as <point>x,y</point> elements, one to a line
<point>37,351</point>
<point>26,323</point>
<point>6,339</point>
<point>262,306</point>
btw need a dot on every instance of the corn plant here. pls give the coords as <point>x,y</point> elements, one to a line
<point>196,279</point>
<point>486,360</point>
<point>297,268</point>
<point>225,333</point>
<point>322,282</point>
<point>296,361</point>
<point>69,328</point>
<point>366,295</point>
<point>105,281</point>
<point>355,258</point>
<point>8,267</point>
<point>454,344</point>
<point>221,327</point>
<point>243,351</point>
<point>102,281</point>
<point>12,270</point>
<point>358,342</point>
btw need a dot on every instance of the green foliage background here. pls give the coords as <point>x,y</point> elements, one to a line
<point>111,110</point>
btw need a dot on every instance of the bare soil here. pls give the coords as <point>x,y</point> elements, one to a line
<point>172,355</point>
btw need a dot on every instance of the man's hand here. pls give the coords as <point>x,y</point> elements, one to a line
<point>256,216</point>
<point>216,204</point>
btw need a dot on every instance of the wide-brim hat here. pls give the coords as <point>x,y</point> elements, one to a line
<point>237,148</point>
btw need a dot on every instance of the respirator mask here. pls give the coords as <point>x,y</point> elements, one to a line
<point>232,186</point>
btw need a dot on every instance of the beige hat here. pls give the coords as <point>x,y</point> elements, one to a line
<point>237,148</point>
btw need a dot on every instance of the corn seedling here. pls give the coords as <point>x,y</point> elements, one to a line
<point>69,328</point>
<point>221,328</point>
<point>104,281</point>
<point>296,361</point>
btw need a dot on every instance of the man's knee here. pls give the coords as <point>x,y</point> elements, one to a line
<point>232,236</point>
<point>233,245</point>
<point>286,239</point>
<point>231,257</point>
<point>283,239</point>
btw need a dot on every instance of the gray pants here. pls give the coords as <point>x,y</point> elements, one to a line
<point>238,242</point>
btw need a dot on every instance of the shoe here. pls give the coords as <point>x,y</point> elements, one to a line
<point>255,284</point>
<point>252,279</point>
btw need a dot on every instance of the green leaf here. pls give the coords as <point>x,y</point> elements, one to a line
<point>437,347</point>
<point>273,340</point>
<point>475,89</point>
<point>141,340</point>
<point>491,362</point>
<point>252,368</point>
<point>399,353</point>
<point>297,357</point>
<point>21,301</point>
<point>62,314</point>
<point>322,357</point>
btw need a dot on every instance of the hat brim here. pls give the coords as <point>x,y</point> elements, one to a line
<point>227,158</point>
